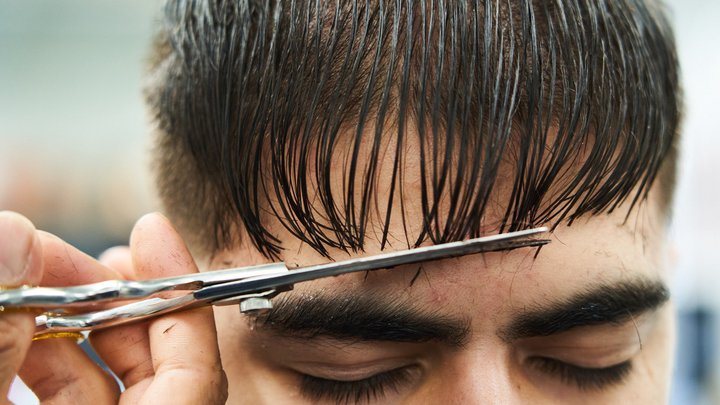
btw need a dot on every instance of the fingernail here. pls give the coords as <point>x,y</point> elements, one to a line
<point>17,235</point>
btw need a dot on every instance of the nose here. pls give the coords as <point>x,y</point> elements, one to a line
<point>485,376</point>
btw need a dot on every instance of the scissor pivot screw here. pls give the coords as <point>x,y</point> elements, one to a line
<point>255,305</point>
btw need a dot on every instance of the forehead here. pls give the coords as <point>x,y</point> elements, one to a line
<point>597,250</point>
<point>502,284</point>
<point>594,250</point>
<point>406,197</point>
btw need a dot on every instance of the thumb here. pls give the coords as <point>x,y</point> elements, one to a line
<point>184,347</point>
<point>20,264</point>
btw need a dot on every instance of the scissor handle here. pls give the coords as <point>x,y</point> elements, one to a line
<point>53,298</point>
<point>133,312</point>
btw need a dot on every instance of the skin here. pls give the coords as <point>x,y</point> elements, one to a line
<point>177,358</point>
<point>179,353</point>
<point>489,291</point>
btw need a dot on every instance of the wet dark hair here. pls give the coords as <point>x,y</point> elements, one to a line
<point>259,103</point>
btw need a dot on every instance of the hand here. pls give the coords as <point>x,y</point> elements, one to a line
<point>172,359</point>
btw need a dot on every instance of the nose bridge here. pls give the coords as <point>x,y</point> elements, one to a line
<point>482,376</point>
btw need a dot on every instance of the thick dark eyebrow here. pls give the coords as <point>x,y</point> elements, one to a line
<point>604,304</point>
<point>360,317</point>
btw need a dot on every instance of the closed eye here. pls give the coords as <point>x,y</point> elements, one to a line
<point>584,378</point>
<point>373,388</point>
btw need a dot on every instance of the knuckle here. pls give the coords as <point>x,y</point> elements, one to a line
<point>16,333</point>
<point>71,387</point>
<point>210,380</point>
<point>220,386</point>
<point>50,387</point>
<point>141,372</point>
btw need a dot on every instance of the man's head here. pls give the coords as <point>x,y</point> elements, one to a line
<point>308,130</point>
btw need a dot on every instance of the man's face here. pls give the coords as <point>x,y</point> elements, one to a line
<point>586,320</point>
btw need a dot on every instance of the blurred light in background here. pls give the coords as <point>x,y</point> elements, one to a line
<point>74,154</point>
<point>696,220</point>
<point>75,145</point>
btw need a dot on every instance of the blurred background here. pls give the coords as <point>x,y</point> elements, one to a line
<point>75,151</point>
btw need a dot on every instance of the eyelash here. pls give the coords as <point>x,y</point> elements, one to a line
<point>375,386</point>
<point>583,378</point>
<point>347,392</point>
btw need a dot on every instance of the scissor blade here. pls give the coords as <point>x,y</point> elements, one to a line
<point>505,241</point>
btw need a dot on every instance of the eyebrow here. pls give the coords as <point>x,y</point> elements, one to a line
<point>372,317</point>
<point>604,304</point>
<point>361,317</point>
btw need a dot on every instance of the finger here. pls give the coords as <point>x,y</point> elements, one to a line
<point>184,345</point>
<point>186,356</point>
<point>185,353</point>
<point>58,369</point>
<point>158,250</point>
<point>66,265</point>
<point>21,258</point>
<point>119,259</point>
<point>20,263</point>
<point>125,349</point>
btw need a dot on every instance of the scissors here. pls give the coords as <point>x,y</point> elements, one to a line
<point>85,307</point>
